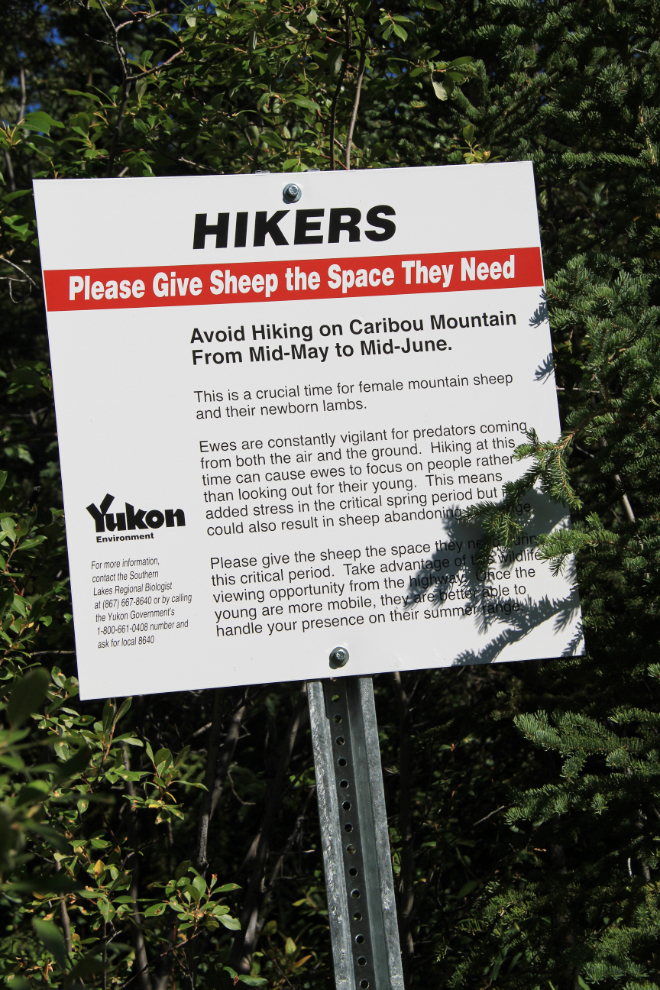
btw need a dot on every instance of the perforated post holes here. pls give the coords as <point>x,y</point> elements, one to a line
<point>349,815</point>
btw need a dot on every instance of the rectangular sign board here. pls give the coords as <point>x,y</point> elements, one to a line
<point>274,406</point>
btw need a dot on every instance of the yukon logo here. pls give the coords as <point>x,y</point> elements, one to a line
<point>131,519</point>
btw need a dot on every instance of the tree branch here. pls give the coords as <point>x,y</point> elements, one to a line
<point>227,754</point>
<point>64,914</point>
<point>333,110</point>
<point>21,76</point>
<point>246,939</point>
<point>407,882</point>
<point>156,68</point>
<point>209,776</point>
<point>125,88</point>
<point>356,101</point>
<point>10,172</point>
<point>134,839</point>
<point>626,501</point>
<point>19,269</point>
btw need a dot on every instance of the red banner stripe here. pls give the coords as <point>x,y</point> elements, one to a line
<point>275,281</point>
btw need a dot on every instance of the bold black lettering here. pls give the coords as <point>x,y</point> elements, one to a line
<point>97,517</point>
<point>98,514</point>
<point>263,226</point>
<point>344,218</point>
<point>240,237</point>
<point>177,514</point>
<point>303,227</point>
<point>375,218</point>
<point>113,522</point>
<point>135,520</point>
<point>203,230</point>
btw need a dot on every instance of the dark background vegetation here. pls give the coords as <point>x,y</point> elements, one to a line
<point>524,799</point>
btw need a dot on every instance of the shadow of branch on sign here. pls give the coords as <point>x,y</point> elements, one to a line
<point>498,601</point>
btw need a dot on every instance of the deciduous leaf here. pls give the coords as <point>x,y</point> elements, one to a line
<point>73,766</point>
<point>302,101</point>
<point>39,120</point>
<point>59,883</point>
<point>26,695</point>
<point>182,869</point>
<point>51,938</point>
<point>199,883</point>
<point>333,63</point>
<point>155,910</point>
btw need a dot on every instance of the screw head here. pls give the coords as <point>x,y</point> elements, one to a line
<point>292,193</point>
<point>339,657</point>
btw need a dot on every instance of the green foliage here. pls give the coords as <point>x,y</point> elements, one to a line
<point>48,853</point>
<point>524,798</point>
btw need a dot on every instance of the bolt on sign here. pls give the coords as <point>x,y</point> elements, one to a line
<point>276,397</point>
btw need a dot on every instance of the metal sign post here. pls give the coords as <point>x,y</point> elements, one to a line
<point>356,848</point>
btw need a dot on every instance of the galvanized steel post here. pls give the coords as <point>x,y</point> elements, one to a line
<point>356,847</point>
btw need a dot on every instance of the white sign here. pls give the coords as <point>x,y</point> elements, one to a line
<point>274,411</point>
